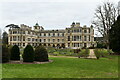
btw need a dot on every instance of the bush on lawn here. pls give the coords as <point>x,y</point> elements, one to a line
<point>28,54</point>
<point>110,52</point>
<point>41,54</point>
<point>101,53</point>
<point>76,50</point>
<point>51,50</point>
<point>15,53</point>
<point>104,52</point>
<point>83,53</point>
<point>5,54</point>
<point>55,53</point>
<point>97,53</point>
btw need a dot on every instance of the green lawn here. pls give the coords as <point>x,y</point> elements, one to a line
<point>63,67</point>
<point>0,70</point>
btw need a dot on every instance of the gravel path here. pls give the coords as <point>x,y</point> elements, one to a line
<point>21,62</point>
<point>91,55</point>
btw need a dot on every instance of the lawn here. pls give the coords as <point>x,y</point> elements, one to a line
<point>63,67</point>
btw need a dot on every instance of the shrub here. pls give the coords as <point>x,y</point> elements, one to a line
<point>55,53</point>
<point>104,52</point>
<point>76,50</point>
<point>51,50</point>
<point>110,52</point>
<point>15,53</point>
<point>97,53</point>
<point>5,54</point>
<point>64,52</point>
<point>83,53</point>
<point>41,54</point>
<point>28,54</point>
<point>101,45</point>
<point>101,53</point>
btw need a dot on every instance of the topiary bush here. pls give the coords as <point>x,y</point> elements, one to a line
<point>15,53</point>
<point>28,54</point>
<point>41,54</point>
<point>5,54</point>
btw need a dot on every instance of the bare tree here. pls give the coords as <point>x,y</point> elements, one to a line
<point>105,16</point>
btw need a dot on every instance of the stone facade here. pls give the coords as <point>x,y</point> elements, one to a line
<point>73,37</point>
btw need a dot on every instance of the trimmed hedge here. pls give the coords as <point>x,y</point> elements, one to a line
<point>5,54</point>
<point>15,53</point>
<point>28,54</point>
<point>41,54</point>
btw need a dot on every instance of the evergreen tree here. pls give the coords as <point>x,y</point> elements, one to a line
<point>41,54</point>
<point>115,36</point>
<point>5,54</point>
<point>28,55</point>
<point>15,53</point>
<point>5,38</point>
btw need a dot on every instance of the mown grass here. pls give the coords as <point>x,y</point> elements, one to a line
<point>0,70</point>
<point>63,67</point>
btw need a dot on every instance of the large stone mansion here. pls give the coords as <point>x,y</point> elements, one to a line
<point>73,37</point>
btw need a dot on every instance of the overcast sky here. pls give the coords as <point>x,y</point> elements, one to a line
<point>51,14</point>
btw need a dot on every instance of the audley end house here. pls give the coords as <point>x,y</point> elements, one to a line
<point>73,37</point>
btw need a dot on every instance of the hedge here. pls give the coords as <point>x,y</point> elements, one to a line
<point>5,54</point>
<point>41,54</point>
<point>15,53</point>
<point>28,54</point>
